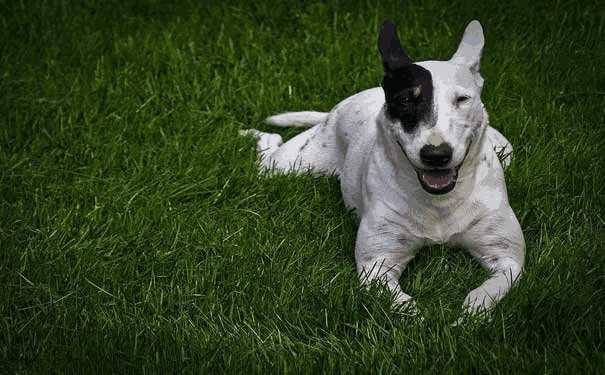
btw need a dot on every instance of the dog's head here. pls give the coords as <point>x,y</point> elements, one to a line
<point>433,108</point>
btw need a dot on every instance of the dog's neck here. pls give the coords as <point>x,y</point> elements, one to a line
<point>399,166</point>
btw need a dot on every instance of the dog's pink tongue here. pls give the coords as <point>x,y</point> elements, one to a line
<point>437,181</point>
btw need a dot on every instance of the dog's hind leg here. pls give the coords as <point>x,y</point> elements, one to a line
<point>266,145</point>
<point>314,150</point>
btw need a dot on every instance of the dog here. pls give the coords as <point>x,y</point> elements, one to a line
<point>418,162</point>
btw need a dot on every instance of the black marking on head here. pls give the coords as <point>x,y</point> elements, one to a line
<point>408,88</point>
<point>408,93</point>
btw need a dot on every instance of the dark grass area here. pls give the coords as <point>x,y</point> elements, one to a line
<point>136,235</point>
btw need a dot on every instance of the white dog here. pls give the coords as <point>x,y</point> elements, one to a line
<point>418,161</point>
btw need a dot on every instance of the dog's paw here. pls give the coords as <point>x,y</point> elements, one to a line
<point>476,308</point>
<point>473,313</point>
<point>467,319</point>
<point>479,301</point>
<point>460,321</point>
<point>407,308</point>
<point>250,132</point>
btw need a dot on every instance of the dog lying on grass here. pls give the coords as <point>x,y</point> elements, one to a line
<point>418,161</point>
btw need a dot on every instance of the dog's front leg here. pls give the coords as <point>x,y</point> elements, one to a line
<point>497,243</point>
<point>382,252</point>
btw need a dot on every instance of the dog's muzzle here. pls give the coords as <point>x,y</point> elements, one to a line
<point>436,181</point>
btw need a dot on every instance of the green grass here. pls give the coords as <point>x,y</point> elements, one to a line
<point>135,234</point>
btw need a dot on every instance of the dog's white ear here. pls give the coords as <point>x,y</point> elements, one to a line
<point>393,54</point>
<point>471,47</point>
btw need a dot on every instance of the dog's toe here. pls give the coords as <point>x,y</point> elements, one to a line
<point>468,318</point>
<point>250,132</point>
<point>407,308</point>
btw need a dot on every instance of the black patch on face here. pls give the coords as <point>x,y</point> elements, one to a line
<point>409,95</point>
<point>408,88</point>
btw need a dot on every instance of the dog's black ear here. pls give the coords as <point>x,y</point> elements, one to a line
<point>393,55</point>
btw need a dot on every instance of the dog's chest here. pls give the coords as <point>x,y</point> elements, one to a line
<point>418,218</point>
<point>434,225</point>
<point>443,226</point>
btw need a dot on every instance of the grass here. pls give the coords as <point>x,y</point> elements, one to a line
<point>136,235</point>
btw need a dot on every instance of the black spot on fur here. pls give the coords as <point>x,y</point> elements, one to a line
<point>474,222</point>
<point>408,88</point>
<point>305,144</point>
<point>502,154</point>
<point>501,243</point>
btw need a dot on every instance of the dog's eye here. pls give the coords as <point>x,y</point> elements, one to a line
<point>404,100</point>
<point>462,99</point>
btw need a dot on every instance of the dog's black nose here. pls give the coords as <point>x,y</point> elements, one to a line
<point>436,156</point>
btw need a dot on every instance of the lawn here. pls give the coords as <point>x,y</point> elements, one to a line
<point>136,235</point>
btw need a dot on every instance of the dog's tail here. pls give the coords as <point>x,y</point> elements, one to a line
<point>305,119</point>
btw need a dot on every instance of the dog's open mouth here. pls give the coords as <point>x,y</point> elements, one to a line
<point>437,181</point>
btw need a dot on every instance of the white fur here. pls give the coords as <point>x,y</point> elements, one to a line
<point>297,119</point>
<point>358,143</point>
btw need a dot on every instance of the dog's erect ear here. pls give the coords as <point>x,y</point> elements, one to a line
<point>393,55</point>
<point>471,47</point>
